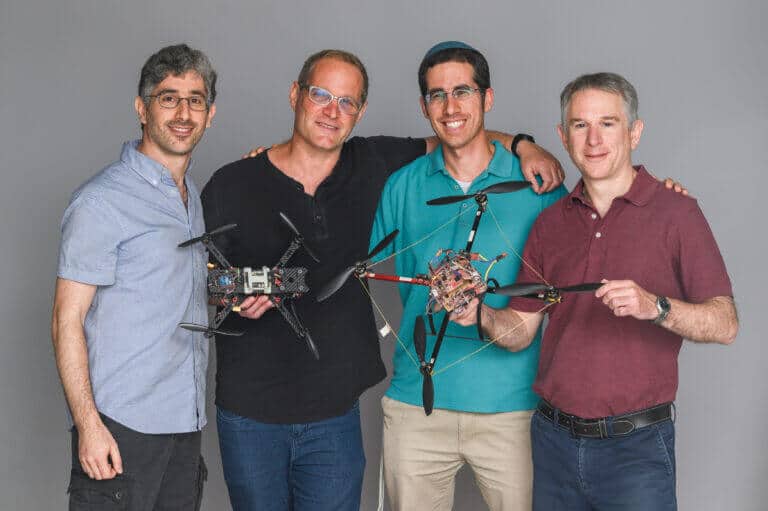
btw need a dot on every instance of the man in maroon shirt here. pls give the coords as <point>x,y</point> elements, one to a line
<point>603,437</point>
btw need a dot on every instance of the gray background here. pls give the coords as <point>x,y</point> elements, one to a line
<point>68,77</point>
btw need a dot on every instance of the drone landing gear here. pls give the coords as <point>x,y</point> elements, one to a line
<point>292,319</point>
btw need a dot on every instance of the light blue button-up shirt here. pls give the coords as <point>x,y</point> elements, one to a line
<point>493,380</point>
<point>120,233</point>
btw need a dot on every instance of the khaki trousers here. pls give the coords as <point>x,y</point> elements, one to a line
<point>422,455</point>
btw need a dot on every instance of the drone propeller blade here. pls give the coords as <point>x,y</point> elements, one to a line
<point>506,186</point>
<point>231,333</point>
<point>287,221</point>
<point>292,227</point>
<point>214,232</point>
<point>209,331</point>
<point>382,244</point>
<point>223,228</point>
<point>335,284</point>
<point>520,289</point>
<point>428,394</point>
<point>311,345</point>
<point>420,338</point>
<point>588,286</point>
<point>193,327</point>
<point>448,200</point>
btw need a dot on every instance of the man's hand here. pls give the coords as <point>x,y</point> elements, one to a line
<point>254,307</point>
<point>671,184</point>
<point>626,298</point>
<point>98,452</point>
<point>468,316</point>
<point>255,152</point>
<point>536,161</point>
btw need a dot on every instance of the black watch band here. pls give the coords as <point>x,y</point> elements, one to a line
<point>519,138</point>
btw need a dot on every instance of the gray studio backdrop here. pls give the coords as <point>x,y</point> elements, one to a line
<point>68,73</point>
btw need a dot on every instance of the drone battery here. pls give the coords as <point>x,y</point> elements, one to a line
<point>257,281</point>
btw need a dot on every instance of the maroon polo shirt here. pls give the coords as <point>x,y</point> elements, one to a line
<point>594,364</point>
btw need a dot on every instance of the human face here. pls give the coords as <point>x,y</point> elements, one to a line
<point>172,132</point>
<point>326,127</point>
<point>598,136</point>
<point>456,122</point>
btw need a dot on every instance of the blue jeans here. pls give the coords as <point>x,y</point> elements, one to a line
<point>635,472</point>
<point>316,466</point>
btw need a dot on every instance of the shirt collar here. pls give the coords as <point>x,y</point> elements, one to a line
<point>150,170</point>
<point>643,187</point>
<point>500,165</point>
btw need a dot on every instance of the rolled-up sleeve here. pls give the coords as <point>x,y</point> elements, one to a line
<point>90,239</point>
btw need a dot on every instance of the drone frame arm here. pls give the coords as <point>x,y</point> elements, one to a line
<point>216,253</point>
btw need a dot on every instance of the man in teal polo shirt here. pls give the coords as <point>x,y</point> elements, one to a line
<point>483,403</point>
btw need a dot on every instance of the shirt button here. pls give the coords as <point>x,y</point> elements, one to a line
<point>594,216</point>
<point>598,235</point>
<point>463,204</point>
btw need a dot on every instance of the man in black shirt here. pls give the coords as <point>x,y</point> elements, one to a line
<point>289,426</point>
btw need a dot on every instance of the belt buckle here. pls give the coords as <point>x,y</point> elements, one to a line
<point>602,427</point>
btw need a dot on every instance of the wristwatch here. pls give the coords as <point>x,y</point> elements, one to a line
<point>663,306</point>
<point>519,138</point>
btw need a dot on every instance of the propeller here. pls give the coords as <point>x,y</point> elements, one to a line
<point>503,187</point>
<point>208,235</point>
<point>420,344</point>
<point>287,221</point>
<point>336,282</point>
<point>209,332</point>
<point>311,345</point>
<point>528,289</point>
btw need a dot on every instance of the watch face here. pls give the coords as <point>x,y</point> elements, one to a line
<point>664,303</point>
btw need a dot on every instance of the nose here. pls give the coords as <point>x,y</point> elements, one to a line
<point>451,105</point>
<point>332,108</point>
<point>182,109</point>
<point>593,136</point>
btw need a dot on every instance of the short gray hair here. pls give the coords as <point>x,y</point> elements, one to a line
<point>176,60</point>
<point>344,56</point>
<point>608,82</point>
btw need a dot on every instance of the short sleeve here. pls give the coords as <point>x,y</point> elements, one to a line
<point>702,271</point>
<point>90,238</point>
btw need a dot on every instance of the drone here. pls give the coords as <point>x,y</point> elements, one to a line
<point>228,286</point>
<point>453,282</point>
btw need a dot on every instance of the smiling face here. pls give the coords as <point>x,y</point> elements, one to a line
<point>326,127</point>
<point>173,132</point>
<point>598,136</point>
<point>456,122</point>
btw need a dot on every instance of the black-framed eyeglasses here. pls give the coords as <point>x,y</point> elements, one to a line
<point>439,97</point>
<point>322,97</point>
<point>196,102</point>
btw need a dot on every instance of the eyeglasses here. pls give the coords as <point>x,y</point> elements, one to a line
<point>439,97</point>
<point>196,102</point>
<point>322,97</point>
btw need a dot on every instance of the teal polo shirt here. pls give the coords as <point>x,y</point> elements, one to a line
<point>493,380</point>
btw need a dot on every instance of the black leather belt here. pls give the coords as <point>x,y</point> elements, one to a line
<point>598,428</point>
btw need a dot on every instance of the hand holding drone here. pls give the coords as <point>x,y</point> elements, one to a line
<point>228,286</point>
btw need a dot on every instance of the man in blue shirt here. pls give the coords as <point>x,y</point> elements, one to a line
<point>483,400</point>
<point>134,381</point>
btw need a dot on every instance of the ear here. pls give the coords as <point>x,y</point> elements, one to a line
<point>211,114</point>
<point>488,100</point>
<point>141,109</point>
<point>563,135</point>
<point>423,105</point>
<point>635,132</point>
<point>293,95</point>
<point>361,112</point>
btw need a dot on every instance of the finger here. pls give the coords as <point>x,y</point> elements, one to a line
<point>247,303</point>
<point>87,468</point>
<point>117,460</point>
<point>104,468</point>
<point>547,179</point>
<point>529,173</point>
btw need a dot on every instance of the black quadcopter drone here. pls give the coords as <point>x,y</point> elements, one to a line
<point>228,286</point>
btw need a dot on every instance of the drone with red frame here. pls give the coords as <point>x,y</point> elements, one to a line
<point>228,286</point>
<point>453,282</point>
